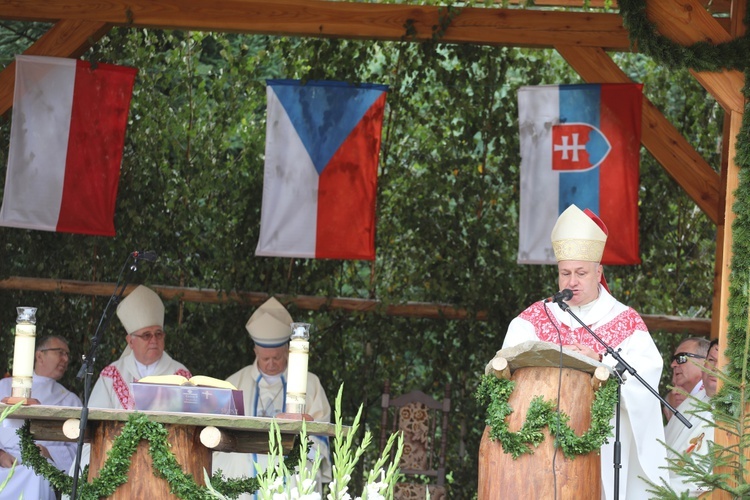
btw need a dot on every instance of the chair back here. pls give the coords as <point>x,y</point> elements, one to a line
<point>424,423</point>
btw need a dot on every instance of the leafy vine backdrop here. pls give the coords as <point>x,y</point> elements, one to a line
<point>447,211</point>
<point>703,56</point>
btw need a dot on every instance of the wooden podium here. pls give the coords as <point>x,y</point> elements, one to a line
<point>236,434</point>
<point>535,368</point>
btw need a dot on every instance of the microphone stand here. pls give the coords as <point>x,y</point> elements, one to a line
<point>87,368</point>
<point>620,368</point>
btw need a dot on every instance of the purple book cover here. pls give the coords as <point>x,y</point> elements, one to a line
<point>188,399</point>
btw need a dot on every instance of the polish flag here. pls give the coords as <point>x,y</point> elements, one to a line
<point>66,141</point>
<point>321,168</point>
<point>580,144</point>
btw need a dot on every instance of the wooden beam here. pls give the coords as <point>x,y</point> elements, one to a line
<point>67,38</point>
<point>713,6</point>
<point>663,141</point>
<point>318,18</point>
<point>687,22</point>
<point>725,243</point>
<point>211,296</point>
<point>674,324</point>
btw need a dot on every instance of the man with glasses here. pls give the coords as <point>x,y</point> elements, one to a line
<point>686,366</point>
<point>50,363</point>
<point>142,315</point>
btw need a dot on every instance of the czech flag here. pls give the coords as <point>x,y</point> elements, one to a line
<point>580,144</point>
<point>320,176</point>
<point>66,140</point>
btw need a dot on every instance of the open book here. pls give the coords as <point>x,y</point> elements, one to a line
<point>196,380</point>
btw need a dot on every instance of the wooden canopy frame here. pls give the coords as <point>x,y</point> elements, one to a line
<point>582,38</point>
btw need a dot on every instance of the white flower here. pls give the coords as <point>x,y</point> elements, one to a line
<point>310,496</point>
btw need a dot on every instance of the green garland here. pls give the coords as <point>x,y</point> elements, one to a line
<point>115,470</point>
<point>701,56</point>
<point>494,393</point>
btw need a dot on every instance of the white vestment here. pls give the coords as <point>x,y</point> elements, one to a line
<point>24,480</point>
<point>686,440</point>
<point>641,421</point>
<point>113,389</point>
<point>265,397</point>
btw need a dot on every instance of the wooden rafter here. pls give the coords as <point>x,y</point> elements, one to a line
<point>581,37</point>
<point>584,32</point>
<point>712,6</point>
<point>691,326</point>
<point>67,38</point>
<point>516,27</point>
<point>686,22</point>
<point>661,138</point>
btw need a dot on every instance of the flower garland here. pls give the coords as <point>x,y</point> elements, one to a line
<point>115,469</point>
<point>700,56</point>
<point>494,393</point>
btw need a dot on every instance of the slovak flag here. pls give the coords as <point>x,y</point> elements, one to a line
<point>66,140</point>
<point>580,144</point>
<point>320,176</point>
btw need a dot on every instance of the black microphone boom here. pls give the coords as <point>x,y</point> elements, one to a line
<point>566,294</point>
<point>148,255</point>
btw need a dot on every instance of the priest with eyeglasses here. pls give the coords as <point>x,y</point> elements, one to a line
<point>50,364</point>
<point>142,315</point>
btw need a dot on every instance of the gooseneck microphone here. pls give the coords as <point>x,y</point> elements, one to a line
<point>565,294</point>
<point>148,255</point>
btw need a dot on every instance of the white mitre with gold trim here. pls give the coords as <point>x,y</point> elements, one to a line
<point>141,308</point>
<point>576,236</point>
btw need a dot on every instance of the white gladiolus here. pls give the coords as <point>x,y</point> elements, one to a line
<point>278,483</point>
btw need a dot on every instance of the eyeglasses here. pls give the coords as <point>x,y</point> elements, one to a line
<point>682,357</point>
<point>149,336</point>
<point>59,350</point>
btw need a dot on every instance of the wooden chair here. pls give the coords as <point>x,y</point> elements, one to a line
<point>424,422</point>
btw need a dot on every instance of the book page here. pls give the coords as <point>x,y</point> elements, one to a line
<point>165,379</point>
<point>207,381</point>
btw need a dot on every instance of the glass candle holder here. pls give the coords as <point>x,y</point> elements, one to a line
<point>23,352</point>
<point>299,351</point>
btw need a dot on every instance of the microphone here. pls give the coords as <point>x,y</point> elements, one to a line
<point>566,294</point>
<point>148,255</point>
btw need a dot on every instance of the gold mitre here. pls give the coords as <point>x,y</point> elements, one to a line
<point>141,308</point>
<point>270,324</point>
<point>578,235</point>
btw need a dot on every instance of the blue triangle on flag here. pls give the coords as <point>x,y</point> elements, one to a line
<point>324,113</point>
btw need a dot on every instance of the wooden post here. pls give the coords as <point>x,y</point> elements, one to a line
<point>530,475</point>
<point>185,443</point>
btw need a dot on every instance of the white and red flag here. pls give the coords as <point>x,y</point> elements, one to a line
<point>321,169</point>
<point>66,141</point>
<point>580,144</point>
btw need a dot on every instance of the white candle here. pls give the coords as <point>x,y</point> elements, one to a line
<point>298,359</point>
<point>296,384</point>
<point>23,360</point>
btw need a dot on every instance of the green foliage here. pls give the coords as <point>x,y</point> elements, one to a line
<point>5,413</point>
<point>114,472</point>
<point>720,468</point>
<point>494,393</point>
<point>701,56</point>
<point>447,211</point>
<point>731,404</point>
